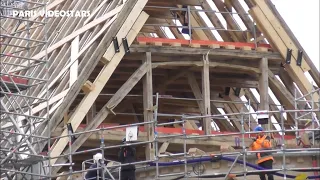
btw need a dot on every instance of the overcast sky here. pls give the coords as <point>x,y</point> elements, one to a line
<point>303,19</point>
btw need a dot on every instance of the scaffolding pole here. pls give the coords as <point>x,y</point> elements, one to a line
<point>21,124</point>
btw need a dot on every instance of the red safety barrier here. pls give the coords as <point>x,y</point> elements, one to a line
<point>166,130</point>
<point>16,80</point>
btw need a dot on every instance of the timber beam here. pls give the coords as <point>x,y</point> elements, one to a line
<point>263,89</point>
<point>282,42</point>
<point>210,65</point>
<point>107,109</point>
<point>148,106</point>
<point>214,142</point>
<point>187,51</point>
<point>102,79</point>
<point>198,95</point>
<point>206,95</point>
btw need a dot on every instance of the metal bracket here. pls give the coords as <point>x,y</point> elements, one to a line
<point>227,91</point>
<point>116,44</point>
<point>299,59</point>
<point>288,58</point>
<point>70,130</point>
<point>237,92</point>
<point>125,45</point>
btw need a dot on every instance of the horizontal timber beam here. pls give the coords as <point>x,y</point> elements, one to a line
<point>231,53</point>
<point>200,42</point>
<point>211,65</point>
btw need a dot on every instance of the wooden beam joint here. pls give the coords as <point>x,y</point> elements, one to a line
<point>88,87</point>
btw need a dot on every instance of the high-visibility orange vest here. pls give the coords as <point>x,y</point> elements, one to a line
<point>262,143</point>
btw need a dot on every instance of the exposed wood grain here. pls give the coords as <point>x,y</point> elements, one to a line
<point>148,106</point>
<point>200,51</point>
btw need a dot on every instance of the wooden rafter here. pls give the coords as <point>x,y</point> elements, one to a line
<point>103,77</point>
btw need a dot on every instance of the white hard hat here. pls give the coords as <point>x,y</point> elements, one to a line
<point>97,157</point>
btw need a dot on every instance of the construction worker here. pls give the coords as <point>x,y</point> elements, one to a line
<point>264,159</point>
<point>95,174</point>
<point>127,154</point>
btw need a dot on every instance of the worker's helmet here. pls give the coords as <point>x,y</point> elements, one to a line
<point>258,129</point>
<point>97,157</point>
<point>124,140</point>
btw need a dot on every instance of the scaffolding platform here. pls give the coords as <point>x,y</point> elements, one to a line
<point>13,84</point>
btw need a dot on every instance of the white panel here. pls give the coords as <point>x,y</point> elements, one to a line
<point>132,133</point>
<point>74,66</point>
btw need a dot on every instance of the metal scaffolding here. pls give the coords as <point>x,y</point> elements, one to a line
<point>23,112</point>
<point>283,151</point>
<point>187,160</point>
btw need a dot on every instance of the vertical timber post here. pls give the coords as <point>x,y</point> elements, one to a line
<point>263,88</point>
<point>206,95</point>
<point>147,106</point>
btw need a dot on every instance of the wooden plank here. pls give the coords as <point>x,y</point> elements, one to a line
<point>74,59</point>
<point>197,33</point>
<point>282,94</point>
<point>97,53</point>
<point>280,91</point>
<point>199,22</point>
<point>95,11</point>
<point>163,147</point>
<point>74,67</point>
<point>263,88</point>
<point>106,110</point>
<point>201,42</point>
<point>289,84</point>
<point>230,21</point>
<point>48,7</point>
<point>127,86</point>
<point>243,15</point>
<point>225,35</point>
<point>70,37</point>
<point>213,142</point>
<point>229,110</point>
<point>281,32</point>
<point>91,57</point>
<point>210,64</point>
<point>237,54</point>
<point>43,105</point>
<point>99,83</point>
<point>314,71</point>
<point>295,71</point>
<point>198,95</point>
<point>238,107</point>
<point>272,107</point>
<point>88,87</point>
<point>197,17</point>
<point>162,87</point>
<point>148,107</point>
<point>103,114</point>
<point>176,2</point>
<point>206,96</point>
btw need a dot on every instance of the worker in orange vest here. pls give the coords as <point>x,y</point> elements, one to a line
<point>264,159</point>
